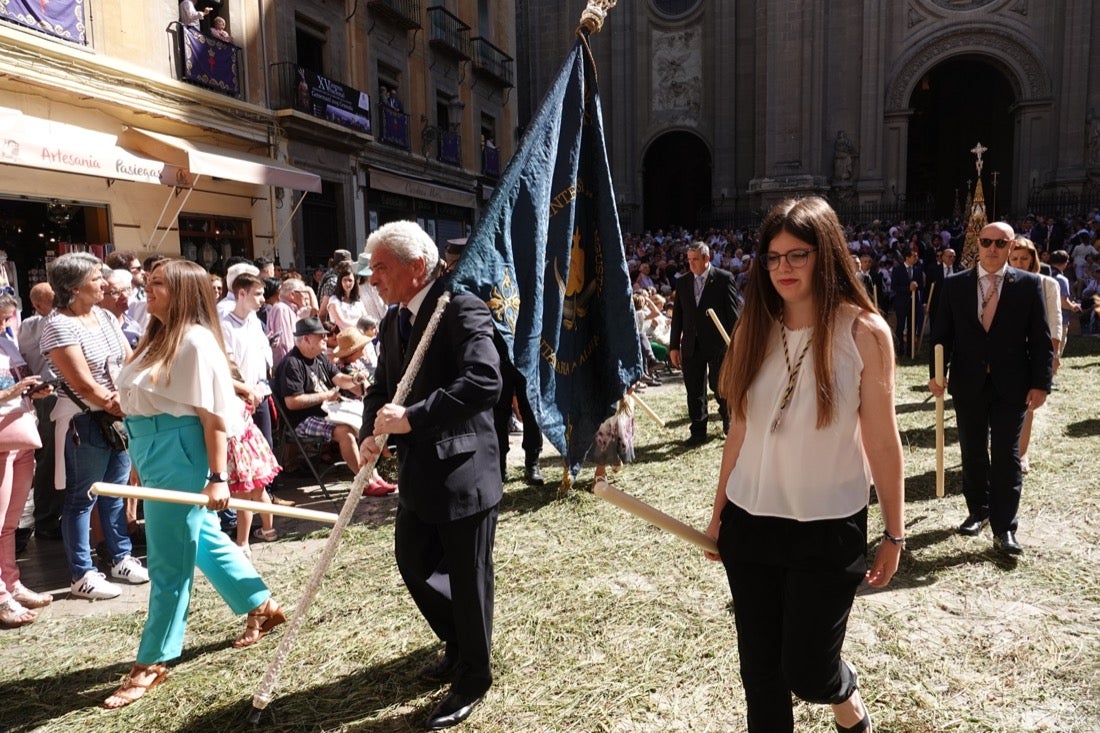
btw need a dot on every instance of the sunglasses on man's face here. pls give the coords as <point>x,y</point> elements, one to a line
<point>1001,243</point>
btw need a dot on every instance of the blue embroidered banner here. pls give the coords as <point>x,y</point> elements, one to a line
<point>547,257</point>
<point>62,19</point>
<point>210,62</point>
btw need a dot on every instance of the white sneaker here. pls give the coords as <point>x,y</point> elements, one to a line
<point>95,587</point>
<point>131,570</point>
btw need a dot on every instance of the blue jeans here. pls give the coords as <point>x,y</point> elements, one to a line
<point>89,459</point>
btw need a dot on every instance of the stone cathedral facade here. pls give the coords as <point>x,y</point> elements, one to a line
<point>716,108</point>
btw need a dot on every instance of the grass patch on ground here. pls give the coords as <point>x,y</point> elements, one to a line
<point>607,625</point>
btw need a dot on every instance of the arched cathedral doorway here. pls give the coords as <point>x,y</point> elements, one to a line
<point>676,180</point>
<point>958,103</point>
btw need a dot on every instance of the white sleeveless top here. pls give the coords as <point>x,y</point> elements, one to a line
<point>799,471</point>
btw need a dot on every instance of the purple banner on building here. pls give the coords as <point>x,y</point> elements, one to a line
<point>395,127</point>
<point>62,19</point>
<point>210,62</point>
<point>330,100</point>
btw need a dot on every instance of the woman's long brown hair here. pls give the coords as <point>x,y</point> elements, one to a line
<point>192,303</point>
<point>814,222</point>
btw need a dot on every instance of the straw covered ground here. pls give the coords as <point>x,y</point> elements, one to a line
<point>604,624</point>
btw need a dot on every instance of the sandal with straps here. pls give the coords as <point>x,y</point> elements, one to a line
<point>260,621</point>
<point>14,615</point>
<point>132,690</point>
<point>28,597</point>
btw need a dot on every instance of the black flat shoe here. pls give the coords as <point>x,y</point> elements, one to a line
<point>695,440</point>
<point>532,475</point>
<point>863,726</point>
<point>972,526</point>
<point>1006,543</point>
<point>453,709</point>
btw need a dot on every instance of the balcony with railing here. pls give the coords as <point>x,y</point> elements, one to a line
<point>395,128</point>
<point>491,62</point>
<point>449,35</point>
<point>490,161</point>
<point>450,147</point>
<point>206,61</point>
<point>299,88</point>
<point>405,14</point>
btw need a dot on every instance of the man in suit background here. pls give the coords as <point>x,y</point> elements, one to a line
<point>992,324</point>
<point>907,282</point>
<point>447,462</point>
<point>695,345</point>
<point>935,277</point>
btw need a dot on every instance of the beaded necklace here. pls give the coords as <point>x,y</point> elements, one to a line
<point>792,371</point>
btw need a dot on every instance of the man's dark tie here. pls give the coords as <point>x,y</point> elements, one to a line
<point>404,324</point>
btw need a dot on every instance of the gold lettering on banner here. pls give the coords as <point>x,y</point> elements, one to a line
<point>565,368</point>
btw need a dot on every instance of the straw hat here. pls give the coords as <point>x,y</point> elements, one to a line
<point>348,342</point>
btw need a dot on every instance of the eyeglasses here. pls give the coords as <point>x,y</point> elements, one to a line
<point>795,258</point>
<point>115,292</point>
<point>1001,243</point>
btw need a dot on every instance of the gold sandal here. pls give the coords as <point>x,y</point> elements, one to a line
<point>260,621</point>
<point>131,690</point>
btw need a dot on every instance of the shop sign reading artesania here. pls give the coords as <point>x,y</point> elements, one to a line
<point>38,143</point>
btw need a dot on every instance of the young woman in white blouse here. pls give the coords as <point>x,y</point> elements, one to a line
<point>810,385</point>
<point>177,394</point>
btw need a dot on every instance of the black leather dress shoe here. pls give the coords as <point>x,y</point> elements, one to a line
<point>695,440</point>
<point>532,475</point>
<point>452,710</point>
<point>1006,542</point>
<point>972,526</point>
<point>441,670</point>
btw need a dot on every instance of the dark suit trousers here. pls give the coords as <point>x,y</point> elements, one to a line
<point>989,438</point>
<point>793,585</point>
<point>448,569</point>
<point>698,373</point>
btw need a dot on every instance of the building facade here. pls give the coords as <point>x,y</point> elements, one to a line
<point>304,127</point>
<point>719,108</point>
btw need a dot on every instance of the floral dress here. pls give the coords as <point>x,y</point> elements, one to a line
<point>251,463</point>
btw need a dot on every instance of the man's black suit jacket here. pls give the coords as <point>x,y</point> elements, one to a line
<point>899,283</point>
<point>935,276</point>
<point>1016,352</point>
<point>691,330</point>
<point>448,466</point>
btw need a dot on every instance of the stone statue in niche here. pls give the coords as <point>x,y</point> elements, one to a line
<point>844,155</point>
<point>677,72</point>
<point>1092,138</point>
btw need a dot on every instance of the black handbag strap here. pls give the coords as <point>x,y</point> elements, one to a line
<point>72,396</point>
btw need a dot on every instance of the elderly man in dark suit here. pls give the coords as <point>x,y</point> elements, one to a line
<point>935,276</point>
<point>695,345</point>
<point>448,468</point>
<point>992,324</point>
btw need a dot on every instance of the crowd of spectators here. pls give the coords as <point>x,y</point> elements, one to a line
<point>657,258</point>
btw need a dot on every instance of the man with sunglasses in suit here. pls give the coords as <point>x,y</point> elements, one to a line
<point>991,322</point>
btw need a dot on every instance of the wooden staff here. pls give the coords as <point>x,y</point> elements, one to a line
<point>718,325</point>
<point>938,351</point>
<point>183,497</point>
<point>655,517</point>
<point>874,294</point>
<point>913,324</point>
<point>927,312</point>
<point>647,409</point>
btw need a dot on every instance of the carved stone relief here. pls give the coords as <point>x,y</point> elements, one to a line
<point>962,4</point>
<point>677,72</point>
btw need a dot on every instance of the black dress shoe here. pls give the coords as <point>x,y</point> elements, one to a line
<point>1006,543</point>
<point>532,475</point>
<point>441,670</point>
<point>695,440</point>
<point>972,526</point>
<point>453,709</point>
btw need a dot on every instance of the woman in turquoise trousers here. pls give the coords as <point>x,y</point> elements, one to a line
<point>178,396</point>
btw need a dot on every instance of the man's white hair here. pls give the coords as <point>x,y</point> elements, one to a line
<point>406,241</point>
<point>239,269</point>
